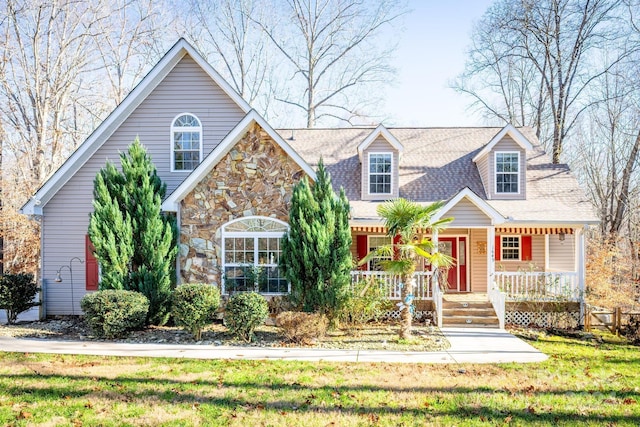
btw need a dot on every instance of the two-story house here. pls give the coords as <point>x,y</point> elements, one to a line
<point>519,220</point>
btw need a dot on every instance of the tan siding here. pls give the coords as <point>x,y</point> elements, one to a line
<point>483,170</point>
<point>466,214</point>
<point>562,254</point>
<point>536,263</point>
<point>507,144</point>
<point>477,260</point>
<point>187,88</point>
<point>379,145</point>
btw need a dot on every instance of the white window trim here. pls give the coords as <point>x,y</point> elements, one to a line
<point>248,234</point>
<point>390,153</point>
<point>171,141</point>
<point>502,236</point>
<point>369,236</point>
<point>495,173</point>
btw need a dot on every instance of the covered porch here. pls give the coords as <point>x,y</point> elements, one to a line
<point>502,265</point>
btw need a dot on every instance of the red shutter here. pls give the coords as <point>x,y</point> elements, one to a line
<point>91,263</point>
<point>363,249</point>
<point>396,251</point>
<point>526,248</point>
<point>498,248</point>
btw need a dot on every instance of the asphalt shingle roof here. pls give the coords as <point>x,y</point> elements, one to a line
<point>437,163</point>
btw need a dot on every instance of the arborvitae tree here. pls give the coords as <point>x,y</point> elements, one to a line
<point>110,229</point>
<point>316,257</point>
<point>137,235</point>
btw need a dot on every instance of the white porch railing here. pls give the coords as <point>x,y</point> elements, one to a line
<point>539,286</point>
<point>498,299</point>
<point>391,282</point>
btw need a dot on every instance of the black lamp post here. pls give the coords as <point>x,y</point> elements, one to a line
<point>58,279</point>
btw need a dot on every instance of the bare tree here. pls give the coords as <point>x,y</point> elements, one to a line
<point>226,36</point>
<point>126,40</point>
<point>552,46</point>
<point>332,48</point>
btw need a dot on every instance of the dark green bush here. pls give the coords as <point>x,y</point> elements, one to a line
<point>302,328</point>
<point>194,306</point>
<point>113,313</point>
<point>17,292</point>
<point>244,313</point>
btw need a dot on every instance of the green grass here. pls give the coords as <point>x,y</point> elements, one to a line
<point>581,384</point>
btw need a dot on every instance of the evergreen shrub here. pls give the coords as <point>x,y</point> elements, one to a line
<point>113,313</point>
<point>17,292</point>
<point>302,328</point>
<point>194,306</point>
<point>244,312</point>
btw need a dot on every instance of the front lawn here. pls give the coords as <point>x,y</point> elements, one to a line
<point>582,383</point>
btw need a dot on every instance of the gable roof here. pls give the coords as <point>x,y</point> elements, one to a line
<point>379,131</point>
<point>100,135</point>
<point>466,193</point>
<point>171,203</point>
<point>514,133</point>
<point>437,164</point>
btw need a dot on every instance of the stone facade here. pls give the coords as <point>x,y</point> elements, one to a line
<point>255,178</point>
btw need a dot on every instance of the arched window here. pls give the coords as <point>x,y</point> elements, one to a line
<point>250,255</point>
<point>186,142</point>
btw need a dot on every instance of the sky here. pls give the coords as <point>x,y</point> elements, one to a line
<point>431,52</point>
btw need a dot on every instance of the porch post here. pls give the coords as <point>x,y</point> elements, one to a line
<point>434,275</point>
<point>491,259</point>
<point>581,272</point>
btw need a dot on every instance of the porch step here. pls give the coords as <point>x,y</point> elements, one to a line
<point>468,312</point>
<point>470,321</point>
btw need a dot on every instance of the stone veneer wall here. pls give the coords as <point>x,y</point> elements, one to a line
<point>255,178</point>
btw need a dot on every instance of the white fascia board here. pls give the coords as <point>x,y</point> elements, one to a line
<point>102,133</point>
<point>172,202</point>
<point>510,130</point>
<point>486,208</point>
<point>380,130</point>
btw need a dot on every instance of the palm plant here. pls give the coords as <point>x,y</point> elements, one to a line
<point>405,221</point>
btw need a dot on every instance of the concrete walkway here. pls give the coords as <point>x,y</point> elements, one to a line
<point>467,346</point>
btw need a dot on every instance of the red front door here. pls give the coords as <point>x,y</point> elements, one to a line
<point>455,247</point>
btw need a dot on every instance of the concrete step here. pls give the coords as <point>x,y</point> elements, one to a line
<point>475,311</point>
<point>470,321</point>
<point>467,304</point>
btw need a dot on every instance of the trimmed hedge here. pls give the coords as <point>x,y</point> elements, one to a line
<point>244,313</point>
<point>17,292</point>
<point>194,306</point>
<point>113,313</point>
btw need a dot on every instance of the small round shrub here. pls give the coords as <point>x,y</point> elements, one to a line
<point>113,313</point>
<point>302,328</point>
<point>244,313</point>
<point>194,306</point>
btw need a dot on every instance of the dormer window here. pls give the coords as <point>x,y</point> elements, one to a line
<point>186,143</point>
<point>380,172</point>
<point>507,172</point>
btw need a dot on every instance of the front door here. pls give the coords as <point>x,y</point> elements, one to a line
<point>455,247</point>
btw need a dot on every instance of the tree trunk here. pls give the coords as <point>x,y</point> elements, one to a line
<point>406,315</point>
